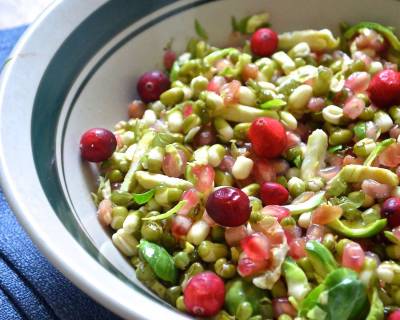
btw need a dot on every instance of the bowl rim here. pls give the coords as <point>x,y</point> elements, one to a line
<point>66,254</point>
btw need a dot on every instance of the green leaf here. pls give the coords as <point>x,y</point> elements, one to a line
<point>200,30</point>
<point>274,104</point>
<point>142,198</point>
<point>167,214</point>
<point>335,149</point>
<point>159,260</point>
<point>311,300</point>
<point>380,147</point>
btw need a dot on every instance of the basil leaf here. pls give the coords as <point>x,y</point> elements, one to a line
<point>167,214</point>
<point>274,104</point>
<point>159,260</point>
<point>200,30</point>
<point>142,198</point>
<point>335,149</point>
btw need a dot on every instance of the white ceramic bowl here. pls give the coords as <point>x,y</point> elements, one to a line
<point>76,68</point>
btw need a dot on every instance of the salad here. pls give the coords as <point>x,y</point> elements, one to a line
<point>261,180</point>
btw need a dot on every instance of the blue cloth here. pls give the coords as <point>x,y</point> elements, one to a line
<point>30,287</point>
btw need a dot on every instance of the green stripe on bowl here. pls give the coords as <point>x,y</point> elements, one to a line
<point>54,86</point>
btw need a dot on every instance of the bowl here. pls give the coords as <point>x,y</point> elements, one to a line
<point>75,68</point>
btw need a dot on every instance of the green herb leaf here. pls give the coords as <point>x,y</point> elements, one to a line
<point>167,214</point>
<point>335,149</point>
<point>274,104</point>
<point>142,198</point>
<point>200,30</point>
<point>380,147</point>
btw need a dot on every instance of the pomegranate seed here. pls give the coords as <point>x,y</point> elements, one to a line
<point>174,165</point>
<point>273,193</point>
<point>250,71</point>
<point>316,104</point>
<point>325,214</point>
<point>264,42</point>
<point>169,59</point>
<point>247,267</point>
<point>204,294</point>
<point>384,88</point>
<point>297,248</point>
<point>263,170</point>
<point>390,157</point>
<point>234,235</point>
<point>187,110</point>
<point>391,211</point>
<point>228,206</point>
<point>256,246</point>
<point>206,136</point>
<point>276,211</point>
<point>292,232</point>
<point>358,81</point>
<point>216,84</point>
<point>395,315</point>
<point>375,189</point>
<point>353,256</point>
<point>204,178</point>
<point>192,199</point>
<point>230,92</point>
<point>136,109</point>
<point>97,144</point>
<point>353,108</point>
<point>282,306</point>
<point>315,232</point>
<point>180,226</point>
<point>151,84</point>
<point>268,137</point>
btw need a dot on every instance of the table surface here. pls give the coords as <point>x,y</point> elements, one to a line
<point>14,13</point>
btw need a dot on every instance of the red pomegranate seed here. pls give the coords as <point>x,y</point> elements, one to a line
<point>395,315</point>
<point>273,193</point>
<point>230,92</point>
<point>391,211</point>
<point>282,306</point>
<point>187,110</point>
<point>228,206</point>
<point>256,246</point>
<point>264,42</point>
<point>180,226</point>
<point>292,232</point>
<point>192,199</point>
<point>268,137</point>
<point>297,248</point>
<point>315,232</point>
<point>353,256</point>
<point>174,165</point>
<point>136,109</point>
<point>234,235</point>
<point>204,178</point>
<point>384,88</point>
<point>169,59</point>
<point>151,85</point>
<point>216,84</point>
<point>204,294</point>
<point>97,144</point>
<point>250,71</point>
<point>325,214</point>
<point>247,267</point>
<point>276,211</point>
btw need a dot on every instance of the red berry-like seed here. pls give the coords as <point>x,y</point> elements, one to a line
<point>391,211</point>
<point>228,206</point>
<point>273,193</point>
<point>268,137</point>
<point>264,42</point>
<point>384,88</point>
<point>151,85</point>
<point>204,294</point>
<point>97,144</point>
<point>395,315</point>
<point>256,246</point>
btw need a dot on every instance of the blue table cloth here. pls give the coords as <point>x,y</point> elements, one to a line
<point>30,287</point>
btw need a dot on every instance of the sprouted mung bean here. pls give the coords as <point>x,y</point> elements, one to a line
<point>260,180</point>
